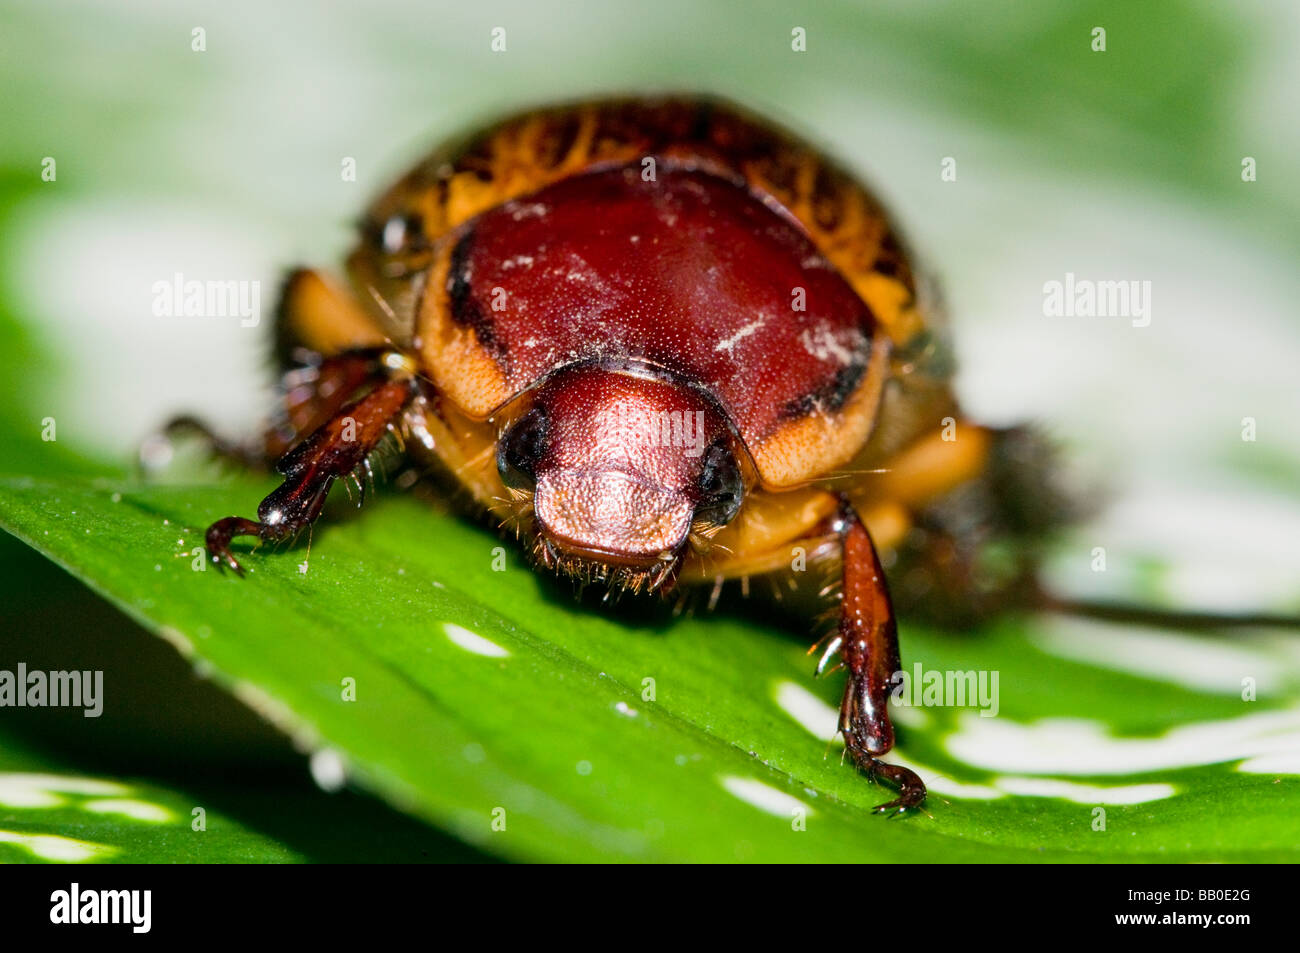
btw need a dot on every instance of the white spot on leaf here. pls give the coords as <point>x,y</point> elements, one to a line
<point>473,642</point>
<point>764,797</point>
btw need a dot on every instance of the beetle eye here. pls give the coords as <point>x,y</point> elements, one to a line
<point>520,449</point>
<point>720,486</point>
<point>400,233</point>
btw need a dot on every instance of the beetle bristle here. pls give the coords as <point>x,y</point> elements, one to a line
<point>517,518</point>
<point>518,521</point>
<point>777,592</point>
<point>616,581</point>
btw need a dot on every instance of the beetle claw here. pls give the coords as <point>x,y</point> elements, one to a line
<point>911,789</point>
<point>222,532</point>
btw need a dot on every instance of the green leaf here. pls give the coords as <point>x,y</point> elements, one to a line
<point>171,768</point>
<point>68,817</point>
<point>485,696</point>
<point>52,812</point>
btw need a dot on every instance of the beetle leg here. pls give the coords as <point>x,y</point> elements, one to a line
<point>868,646</point>
<point>310,469</point>
<point>313,393</point>
<point>316,392</point>
<point>156,451</point>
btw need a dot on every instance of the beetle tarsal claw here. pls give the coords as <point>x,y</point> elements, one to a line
<point>220,534</point>
<point>911,789</point>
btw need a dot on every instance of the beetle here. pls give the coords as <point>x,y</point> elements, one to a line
<point>669,345</point>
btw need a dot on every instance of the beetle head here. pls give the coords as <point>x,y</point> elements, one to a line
<point>623,468</point>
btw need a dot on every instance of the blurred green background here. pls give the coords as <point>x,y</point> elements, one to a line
<point>225,163</point>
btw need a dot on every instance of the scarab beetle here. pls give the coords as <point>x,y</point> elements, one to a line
<point>668,345</point>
